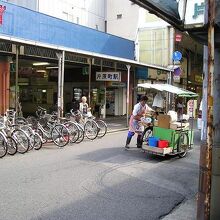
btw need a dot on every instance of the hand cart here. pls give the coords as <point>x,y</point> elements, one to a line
<point>181,139</point>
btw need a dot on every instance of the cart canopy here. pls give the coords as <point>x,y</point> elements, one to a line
<point>169,88</point>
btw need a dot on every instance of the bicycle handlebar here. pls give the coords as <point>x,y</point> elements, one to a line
<point>75,113</point>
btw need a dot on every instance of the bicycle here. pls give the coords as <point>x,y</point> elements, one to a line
<point>10,130</point>
<point>10,142</point>
<point>49,128</point>
<point>87,125</point>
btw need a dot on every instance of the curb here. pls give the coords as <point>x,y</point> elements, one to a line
<point>116,130</point>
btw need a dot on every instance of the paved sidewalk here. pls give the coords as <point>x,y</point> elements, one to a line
<point>185,211</point>
<point>118,123</point>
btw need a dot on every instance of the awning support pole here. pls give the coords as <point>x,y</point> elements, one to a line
<point>128,92</point>
<point>16,79</point>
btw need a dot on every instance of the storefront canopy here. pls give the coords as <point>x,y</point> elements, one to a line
<point>168,88</point>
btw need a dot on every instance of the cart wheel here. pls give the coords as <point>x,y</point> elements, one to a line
<point>147,133</point>
<point>183,145</point>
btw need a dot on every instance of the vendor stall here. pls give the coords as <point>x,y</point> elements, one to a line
<point>168,135</point>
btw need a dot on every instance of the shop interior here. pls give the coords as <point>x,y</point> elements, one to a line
<point>38,82</point>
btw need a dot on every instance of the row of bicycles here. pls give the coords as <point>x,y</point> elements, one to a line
<point>19,134</point>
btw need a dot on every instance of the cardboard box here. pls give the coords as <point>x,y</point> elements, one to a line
<point>178,125</point>
<point>163,121</point>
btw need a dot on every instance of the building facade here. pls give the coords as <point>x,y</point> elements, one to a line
<point>156,41</point>
<point>29,56</point>
<point>89,13</point>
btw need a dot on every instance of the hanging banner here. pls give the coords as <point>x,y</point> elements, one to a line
<point>108,76</point>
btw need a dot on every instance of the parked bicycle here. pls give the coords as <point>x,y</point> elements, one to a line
<point>49,128</point>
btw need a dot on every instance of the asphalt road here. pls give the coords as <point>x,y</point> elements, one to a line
<point>95,180</point>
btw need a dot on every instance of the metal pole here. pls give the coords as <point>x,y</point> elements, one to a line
<point>62,84</point>
<point>90,72</point>
<point>59,55</point>
<point>128,92</point>
<point>16,79</point>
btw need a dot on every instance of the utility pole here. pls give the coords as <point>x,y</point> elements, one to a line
<point>204,194</point>
<point>215,177</point>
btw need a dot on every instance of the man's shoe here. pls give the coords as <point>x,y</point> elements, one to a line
<point>139,146</point>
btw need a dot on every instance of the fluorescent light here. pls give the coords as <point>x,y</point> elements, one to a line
<point>41,64</point>
<point>41,71</point>
<point>52,67</point>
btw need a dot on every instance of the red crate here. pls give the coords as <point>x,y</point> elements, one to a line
<point>163,143</point>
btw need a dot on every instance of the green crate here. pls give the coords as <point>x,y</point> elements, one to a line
<point>170,135</point>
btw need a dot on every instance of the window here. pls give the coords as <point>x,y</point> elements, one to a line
<point>119,16</point>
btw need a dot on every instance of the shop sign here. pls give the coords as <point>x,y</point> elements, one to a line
<point>157,74</point>
<point>198,9</point>
<point>108,76</point>
<point>176,78</point>
<point>194,13</point>
<point>2,10</point>
<point>116,84</point>
<point>191,108</point>
<point>198,78</point>
<point>178,37</point>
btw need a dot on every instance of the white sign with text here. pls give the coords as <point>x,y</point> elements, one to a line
<point>108,76</point>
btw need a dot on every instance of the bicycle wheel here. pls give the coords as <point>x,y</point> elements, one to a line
<point>148,131</point>
<point>60,135</point>
<point>81,133</point>
<point>73,131</point>
<point>43,137</point>
<point>37,144</point>
<point>91,129</point>
<point>11,146</point>
<point>29,131</point>
<point>102,128</point>
<point>183,145</point>
<point>3,145</point>
<point>22,140</point>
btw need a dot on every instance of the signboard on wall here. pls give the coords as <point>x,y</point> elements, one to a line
<point>157,74</point>
<point>195,11</point>
<point>108,76</point>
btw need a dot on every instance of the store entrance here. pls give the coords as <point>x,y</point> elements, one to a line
<point>110,102</point>
<point>115,101</point>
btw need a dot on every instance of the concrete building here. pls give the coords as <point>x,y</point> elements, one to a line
<point>156,41</point>
<point>30,50</point>
<point>89,13</point>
